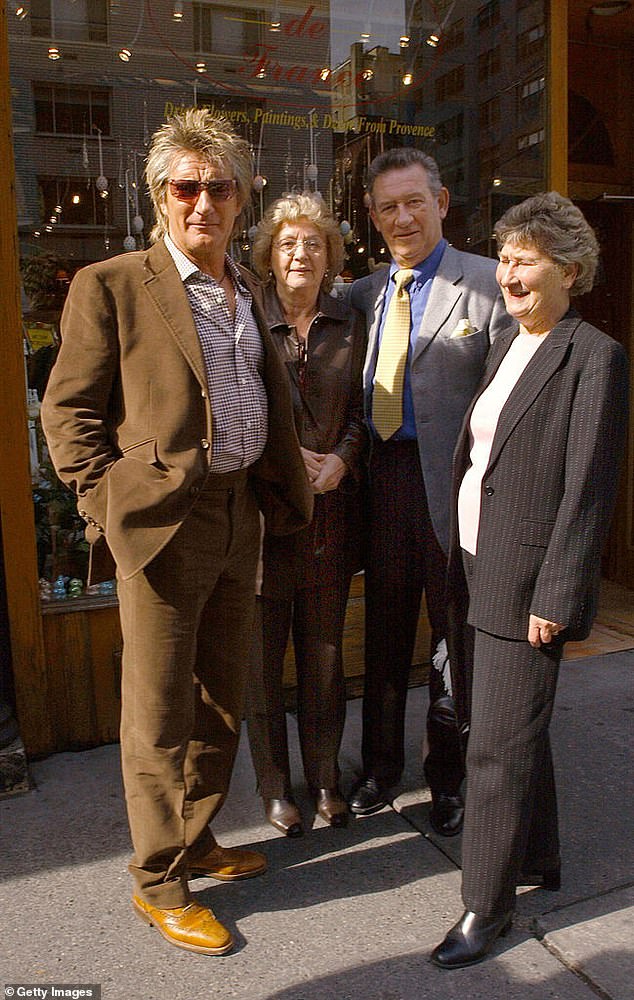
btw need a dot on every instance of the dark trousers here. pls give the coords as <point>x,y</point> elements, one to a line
<point>404,561</point>
<point>186,622</point>
<point>511,806</point>
<point>316,615</point>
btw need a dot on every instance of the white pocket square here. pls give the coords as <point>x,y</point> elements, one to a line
<point>463,329</point>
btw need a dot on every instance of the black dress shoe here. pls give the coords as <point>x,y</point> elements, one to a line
<point>367,797</point>
<point>284,815</point>
<point>446,814</point>
<point>549,879</point>
<point>331,806</point>
<point>470,940</point>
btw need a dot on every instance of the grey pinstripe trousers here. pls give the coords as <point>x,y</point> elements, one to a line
<point>511,805</point>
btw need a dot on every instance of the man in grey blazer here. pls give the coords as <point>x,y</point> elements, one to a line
<point>168,412</point>
<point>455,313</point>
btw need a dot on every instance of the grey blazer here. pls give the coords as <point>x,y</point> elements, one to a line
<point>550,485</point>
<point>464,314</point>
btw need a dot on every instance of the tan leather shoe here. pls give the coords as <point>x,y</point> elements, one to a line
<point>191,927</point>
<point>228,864</point>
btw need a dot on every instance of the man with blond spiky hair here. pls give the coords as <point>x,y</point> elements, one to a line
<point>168,412</point>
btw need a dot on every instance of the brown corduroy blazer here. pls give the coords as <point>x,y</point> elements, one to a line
<point>128,419</point>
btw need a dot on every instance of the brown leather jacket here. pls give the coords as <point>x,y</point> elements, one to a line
<point>328,408</point>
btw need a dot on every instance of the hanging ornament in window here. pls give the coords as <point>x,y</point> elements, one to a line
<point>137,221</point>
<point>120,168</point>
<point>311,169</point>
<point>84,154</point>
<point>129,242</point>
<point>102,180</point>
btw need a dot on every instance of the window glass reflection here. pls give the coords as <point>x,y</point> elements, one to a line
<point>317,89</point>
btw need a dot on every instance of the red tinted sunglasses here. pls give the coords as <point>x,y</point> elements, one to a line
<point>190,190</point>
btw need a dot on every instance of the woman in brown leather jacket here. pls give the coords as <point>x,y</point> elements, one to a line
<point>306,577</point>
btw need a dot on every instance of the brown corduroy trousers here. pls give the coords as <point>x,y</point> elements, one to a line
<point>187,622</point>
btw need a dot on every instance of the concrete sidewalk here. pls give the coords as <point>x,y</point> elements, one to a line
<point>341,914</point>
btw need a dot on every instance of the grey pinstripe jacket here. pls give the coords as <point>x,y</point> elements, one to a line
<point>550,485</point>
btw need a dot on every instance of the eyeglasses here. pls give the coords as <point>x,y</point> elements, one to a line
<point>190,190</point>
<point>289,247</point>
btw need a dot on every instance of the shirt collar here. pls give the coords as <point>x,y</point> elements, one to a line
<point>327,305</point>
<point>428,267</point>
<point>186,267</point>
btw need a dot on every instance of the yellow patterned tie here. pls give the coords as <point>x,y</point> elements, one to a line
<point>387,395</point>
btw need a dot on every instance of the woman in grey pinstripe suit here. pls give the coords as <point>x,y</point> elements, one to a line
<point>535,476</point>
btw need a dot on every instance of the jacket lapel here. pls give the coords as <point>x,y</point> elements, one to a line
<point>443,295</point>
<point>271,356</point>
<point>167,292</point>
<point>373,312</point>
<point>333,309</point>
<point>535,376</point>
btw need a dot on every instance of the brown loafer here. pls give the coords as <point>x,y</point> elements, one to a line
<point>192,927</point>
<point>227,864</point>
<point>331,806</point>
<point>284,815</point>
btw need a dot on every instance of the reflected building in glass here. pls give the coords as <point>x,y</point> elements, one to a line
<point>317,91</point>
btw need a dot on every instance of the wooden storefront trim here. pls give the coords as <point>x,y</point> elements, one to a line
<point>557,98</point>
<point>16,505</point>
<point>83,652</point>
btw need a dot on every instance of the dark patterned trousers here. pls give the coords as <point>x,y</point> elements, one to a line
<point>404,561</point>
<point>511,806</point>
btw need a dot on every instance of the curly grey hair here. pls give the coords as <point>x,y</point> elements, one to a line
<point>558,229</point>
<point>291,208</point>
<point>202,131</point>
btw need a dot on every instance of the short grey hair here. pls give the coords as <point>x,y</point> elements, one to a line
<point>401,157</point>
<point>558,229</point>
<point>202,131</point>
<point>291,208</point>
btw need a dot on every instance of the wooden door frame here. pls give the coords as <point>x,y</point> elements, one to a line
<point>16,500</point>
<point>557,97</point>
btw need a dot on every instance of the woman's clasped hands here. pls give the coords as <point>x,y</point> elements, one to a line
<point>325,472</point>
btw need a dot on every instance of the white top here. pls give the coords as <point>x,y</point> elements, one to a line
<point>482,426</point>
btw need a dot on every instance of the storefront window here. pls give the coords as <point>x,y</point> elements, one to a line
<point>79,20</point>
<point>219,31</point>
<point>71,110</point>
<point>317,89</point>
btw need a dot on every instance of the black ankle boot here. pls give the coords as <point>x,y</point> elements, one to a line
<point>470,940</point>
